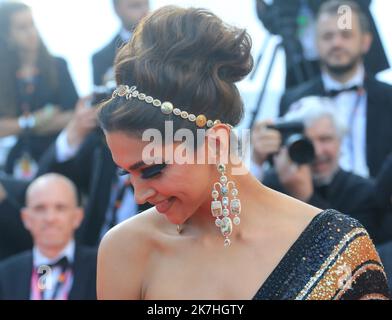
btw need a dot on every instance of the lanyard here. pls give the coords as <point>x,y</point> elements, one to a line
<point>61,285</point>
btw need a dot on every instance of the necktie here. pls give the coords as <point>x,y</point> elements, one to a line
<point>334,93</point>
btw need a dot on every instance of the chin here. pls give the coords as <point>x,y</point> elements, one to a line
<point>177,217</point>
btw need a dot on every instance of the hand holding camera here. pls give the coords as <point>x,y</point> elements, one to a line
<point>295,178</point>
<point>83,122</point>
<point>265,141</point>
<point>268,138</point>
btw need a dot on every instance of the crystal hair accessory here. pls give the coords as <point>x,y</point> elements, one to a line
<point>167,108</point>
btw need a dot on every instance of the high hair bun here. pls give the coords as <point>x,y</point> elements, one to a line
<point>189,57</point>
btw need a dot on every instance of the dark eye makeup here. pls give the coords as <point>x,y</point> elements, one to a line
<point>153,171</point>
<point>147,173</point>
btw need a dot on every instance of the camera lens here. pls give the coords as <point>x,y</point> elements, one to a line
<point>300,149</point>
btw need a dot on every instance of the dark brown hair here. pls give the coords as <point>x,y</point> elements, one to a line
<point>9,62</point>
<point>189,57</point>
<point>332,7</point>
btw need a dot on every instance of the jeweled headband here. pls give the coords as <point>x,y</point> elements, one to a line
<point>167,108</point>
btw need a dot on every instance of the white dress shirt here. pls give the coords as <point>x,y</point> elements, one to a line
<point>40,260</point>
<point>125,35</point>
<point>353,157</point>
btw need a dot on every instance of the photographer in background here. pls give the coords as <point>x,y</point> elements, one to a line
<point>130,12</point>
<point>295,22</point>
<point>321,183</point>
<point>360,100</point>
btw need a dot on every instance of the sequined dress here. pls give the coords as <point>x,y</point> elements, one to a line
<point>333,259</point>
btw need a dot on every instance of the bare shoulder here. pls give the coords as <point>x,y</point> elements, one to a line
<point>292,212</point>
<point>136,230</point>
<point>123,255</point>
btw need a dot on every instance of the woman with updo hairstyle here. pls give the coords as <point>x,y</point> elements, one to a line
<point>214,232</point>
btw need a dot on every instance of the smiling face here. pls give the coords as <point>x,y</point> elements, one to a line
<point>176,190</point>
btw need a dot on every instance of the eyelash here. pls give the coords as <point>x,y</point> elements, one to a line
<point>153,171</point>
<point>148,173</point>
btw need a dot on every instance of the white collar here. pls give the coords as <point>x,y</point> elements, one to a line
<point>39,259</point>
<point>125,35</point>
<point>331,84</point>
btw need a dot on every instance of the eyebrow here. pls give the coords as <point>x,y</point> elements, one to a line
<point>140,164</point>
<point>136,165</point>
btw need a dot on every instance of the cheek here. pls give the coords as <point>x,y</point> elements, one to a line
<point>187,181</point>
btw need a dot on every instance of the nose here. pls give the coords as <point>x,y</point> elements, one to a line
<point>50,215</point>
<point>142,191</point>
<point>338,40</point>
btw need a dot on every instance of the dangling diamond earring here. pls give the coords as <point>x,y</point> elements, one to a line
<point>221,208</point>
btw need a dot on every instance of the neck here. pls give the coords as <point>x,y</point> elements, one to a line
<point>51,252</point>
<point>345,77</point>
<point>28,57</point>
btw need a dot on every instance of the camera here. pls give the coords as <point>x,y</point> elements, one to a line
<point>300,148</point>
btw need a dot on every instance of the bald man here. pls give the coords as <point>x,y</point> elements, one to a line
<point>56,268</point>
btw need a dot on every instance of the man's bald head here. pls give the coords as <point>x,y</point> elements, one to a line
<point>47,181</point>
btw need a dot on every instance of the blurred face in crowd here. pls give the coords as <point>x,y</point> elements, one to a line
<point>23,32</point>
<point>131,11</point>
<point>326,142</point>
<point>341,50</point>
<point>52,214</point>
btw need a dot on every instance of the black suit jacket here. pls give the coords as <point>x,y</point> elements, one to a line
<point>93,171</point>
<point>103,60</point>
<point>379,116</point>
<point>14,238</point>
<point>348,193</point>
<point>16,272</point>
<point>385,252</point>
<point>375,61</point>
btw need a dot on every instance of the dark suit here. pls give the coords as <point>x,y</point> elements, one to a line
<point>104,59</point>
<point>93,171</point>
<point>16,272</point>
<point>385,252</point>
<point>379,116</point>
<point>375,61</point>
<point>348,193</point>
<point>14,238</point>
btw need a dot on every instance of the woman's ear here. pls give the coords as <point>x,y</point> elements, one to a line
<point>218,144</point>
